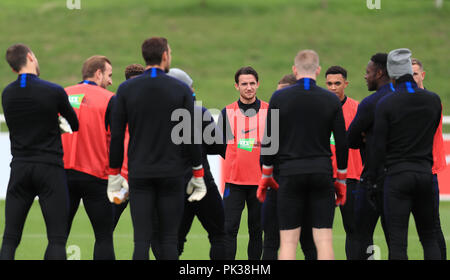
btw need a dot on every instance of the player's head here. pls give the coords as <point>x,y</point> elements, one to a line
<point>247,83</point>
<point>98,68</point>
<point>418,73</point>
<point>306,64</point>
<point>286,81</point>
<point>182,76</point>
<point>133,70</point>
<point>21,58</point>
<point>376,71</point>
<point>156,52</point>
<point>336,77</point>
<point>399,63</point>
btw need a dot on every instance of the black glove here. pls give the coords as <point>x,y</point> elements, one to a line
<point>372,193</point>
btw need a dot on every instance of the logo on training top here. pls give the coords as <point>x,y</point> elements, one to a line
<point>332,139</point>
<point>75,100</point>
<point>246,144</point>
<point>247,131</point>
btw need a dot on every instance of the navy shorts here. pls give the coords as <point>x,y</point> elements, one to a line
<point>306,194</point>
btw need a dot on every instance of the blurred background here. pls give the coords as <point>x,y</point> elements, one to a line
<point>211,39</point>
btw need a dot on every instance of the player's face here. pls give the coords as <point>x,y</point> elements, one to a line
<point>106,77</point>
<point>247,88</point>
<point>336,83</point>
<point>371,76</point>
<point>418,75</point>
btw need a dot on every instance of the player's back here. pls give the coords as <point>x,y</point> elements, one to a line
<point>31,108</point>
<point>307,114</point>
<point>149,102</point>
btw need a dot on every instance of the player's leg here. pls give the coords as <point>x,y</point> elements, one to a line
<point>255,245</point>
<point>438,228</point>
<point>234,203</point>
<point>306,238</point>
<point>101,214</point>
<point>186,223</point>
<point>142,206</point>
<point>321,200</point>
<point>19,199</point>
<point>291,209</point>
<point>170,204</point>
<point>397,209</point>
<point>348,219</point>
<point>51,182</point>
<point>269,222</point>
<point>74,199</point>
<point>211,215</point>
<point>425,216</point>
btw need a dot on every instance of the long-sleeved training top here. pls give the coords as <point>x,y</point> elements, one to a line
<point>308,114</point>
<point>405,125</point>
<point>31,107</point>
<point>146,104</point>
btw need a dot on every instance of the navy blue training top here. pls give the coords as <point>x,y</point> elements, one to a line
<point>31,107</point>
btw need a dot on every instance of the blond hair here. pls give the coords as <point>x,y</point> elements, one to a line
<point>306,61</point>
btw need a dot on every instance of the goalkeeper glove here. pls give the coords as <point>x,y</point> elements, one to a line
<point>122,195</point>
<point>196,187</point>
<point>64,126</point>
<point>115,183</point>
<point>266,181</point>
<point>341,187</point>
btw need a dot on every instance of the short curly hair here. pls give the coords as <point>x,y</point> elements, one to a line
<point>133,70</point>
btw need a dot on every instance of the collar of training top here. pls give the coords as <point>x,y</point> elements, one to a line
<point>406,83</point>
<point>22,78</point>
<point>306,83</point>
<point>88,82</point>
<point>154,72</point>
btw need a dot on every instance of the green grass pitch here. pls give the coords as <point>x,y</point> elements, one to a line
<point>34,240</point>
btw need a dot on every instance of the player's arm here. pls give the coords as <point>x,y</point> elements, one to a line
<point>381,132</point>
<point>359,126</point>
<point>341,157</point>
<point>223,125</point>
<point>118,125</point>
<point>66,110</point>
<point>214,144</point>
<point>267,180</point>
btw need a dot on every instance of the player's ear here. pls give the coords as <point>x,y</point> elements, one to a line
<point>236,86</point>
<point>318,71</point>
<point>294,70</point>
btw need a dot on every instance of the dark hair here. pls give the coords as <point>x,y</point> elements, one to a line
<point>246,70</point>
<point>133,70</point>
<point>336,70</point>
<point>153,49</point>
<point>92,64</point>
<point>288,79</point>
<point>16,56</point>
<point>380,61</point>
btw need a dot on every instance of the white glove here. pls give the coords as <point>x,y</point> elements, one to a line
<point>196,188</point>
<point>64,125</point>
<point>115,183</point>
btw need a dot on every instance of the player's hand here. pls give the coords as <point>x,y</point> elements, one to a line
<point>340,187</point>
<point>64,125</point>
<point>115,183</point>
<point>196,187</point>
<point>372,195</point>
<point>266,181</point>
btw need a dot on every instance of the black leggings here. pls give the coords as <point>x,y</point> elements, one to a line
<point>27,181</point>
<point>210,213</point>
<point>166,197</point>
<point>405,193</point>
<point>98,208</point>
<point>235,197</point>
